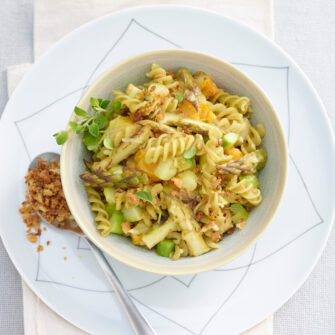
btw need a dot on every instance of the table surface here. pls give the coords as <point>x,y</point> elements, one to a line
<point>305,29</point>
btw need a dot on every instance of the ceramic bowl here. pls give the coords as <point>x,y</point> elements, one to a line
<point>272,177</point>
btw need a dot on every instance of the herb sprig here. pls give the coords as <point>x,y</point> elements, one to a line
<point>91,125</point>
<point>146,196</point>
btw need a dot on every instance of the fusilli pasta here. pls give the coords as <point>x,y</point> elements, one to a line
<point>177,168</point>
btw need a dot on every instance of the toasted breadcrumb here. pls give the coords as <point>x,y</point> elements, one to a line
<point>48,242</point>
<point>44,197</point>
<point>40,248</point>
<point>65,258</point>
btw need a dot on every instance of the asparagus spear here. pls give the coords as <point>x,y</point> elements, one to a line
<point>124,150</point>
<point>245,164</point>
<point>121,178</point>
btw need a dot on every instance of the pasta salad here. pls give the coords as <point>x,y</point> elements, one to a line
<point>175,162</point>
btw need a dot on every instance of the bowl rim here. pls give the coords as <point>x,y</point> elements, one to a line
<point>163,269</point>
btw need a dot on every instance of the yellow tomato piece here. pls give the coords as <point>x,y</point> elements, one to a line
<point>209,88</point>
<point>205,113</point>
<point>137,239</point>
<point>234,153</point>
<point>188,110</point>
<point>141,165</point>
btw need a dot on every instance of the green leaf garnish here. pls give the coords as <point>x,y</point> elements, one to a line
<point>92,125</point>
<point>116,106</point>
<point>190,153</point>
<point>148,98</point>
<point>80,112</point>
<point>101,121</point>
<point>179,97</point>
<point>90,141</point>
<point>104,104</point>
<point>73,125</point>
<point>145,196</point>
<point>80,129</point>
<point>108,143</point>
<point>93,129</point>
<point>94,102</point>
<point>61,137</point>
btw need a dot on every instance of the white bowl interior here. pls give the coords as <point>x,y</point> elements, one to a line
<point>272,178</point>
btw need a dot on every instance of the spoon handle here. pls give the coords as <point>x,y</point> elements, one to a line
<point>137,320</point>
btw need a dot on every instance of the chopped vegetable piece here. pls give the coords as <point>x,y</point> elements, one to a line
<point>190,153</point>
<point>229,140</point>
<point>109,194</point>
<point>136,239</point>
<point>132,214</point>
<point>141,164</point>
<point>110,208</point>
<point>240,213</point>
<point>188,110</point>
<point>165,248</point>
<point>251,179</point>
<point>184,163</point>
<point>179,96</point>
<point>116,221</point>
<point>206,84</point>
<point>236,208</point>
<point>206,114</point>
<point>234,153</point>
<point>261,156</point>
<point>189,180</point>
<point>165,170</point>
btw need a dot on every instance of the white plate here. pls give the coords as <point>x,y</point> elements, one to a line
<point>229,299</point>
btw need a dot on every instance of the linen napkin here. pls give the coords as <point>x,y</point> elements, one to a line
<point>53,20</point>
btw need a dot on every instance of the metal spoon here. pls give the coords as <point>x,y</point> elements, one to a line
<point>137,320</point>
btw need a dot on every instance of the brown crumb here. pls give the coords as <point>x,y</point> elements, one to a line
<point>44,197</point>
<point>40,248</point>
<point>137,115</point>
<point>132,199</point>
<point>48,242</point>
<point>80,257</point>
<point>216,236</point>
<point>32,238</point>
<point>63,248</point>
<point>230,231</point>
<point>185,129</point>
<point>65,258</point>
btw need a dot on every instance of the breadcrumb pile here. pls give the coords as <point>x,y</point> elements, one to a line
<point>44,196</point>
